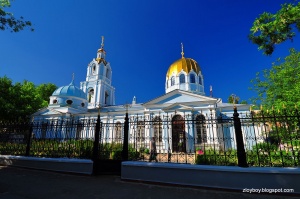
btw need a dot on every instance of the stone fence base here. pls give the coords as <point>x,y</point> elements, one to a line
<point>263,179</point>
<point>80,166</point>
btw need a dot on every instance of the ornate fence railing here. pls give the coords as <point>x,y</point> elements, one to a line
<point>254,139</point>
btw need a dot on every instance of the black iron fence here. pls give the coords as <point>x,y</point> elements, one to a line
<point>245,139</point>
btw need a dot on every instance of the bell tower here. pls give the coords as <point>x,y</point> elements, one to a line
<point>97,85</point>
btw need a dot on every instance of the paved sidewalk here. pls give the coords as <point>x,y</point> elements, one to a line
<point>17,183</point>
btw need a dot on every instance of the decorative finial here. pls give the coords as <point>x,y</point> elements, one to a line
<point>182,53</point>
<point>134,100</point>
<point>102,44</point>
<point>73,76</point>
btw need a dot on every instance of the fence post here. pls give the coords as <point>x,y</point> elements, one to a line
<point>125,141</point>
<point>28,144</point>
<point>96,145</point>
<point>241,154</point>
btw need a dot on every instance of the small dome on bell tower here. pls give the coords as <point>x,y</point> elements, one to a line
<point>101,53</point>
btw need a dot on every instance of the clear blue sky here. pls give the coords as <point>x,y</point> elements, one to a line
<point>142,39</point>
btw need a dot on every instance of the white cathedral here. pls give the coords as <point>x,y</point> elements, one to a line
<point>166,116</point>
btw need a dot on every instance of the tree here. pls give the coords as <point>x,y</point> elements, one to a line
<point>279,86</point>
<point>271,29</point>
<point>5,97</point>
<point>8,21</point>
<point>244,102</point>
<point>45,91</point>
<point>21,100</point>
<point>233,99</point>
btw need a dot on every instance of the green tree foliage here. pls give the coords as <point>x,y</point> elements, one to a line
<point>271,29</point>
<point>45,91</point>
<point>244,102</point>
<point>279,86</point>
<point>236,100</point>
<point>232,99</point>
<point>6,94</point>
<point>8,21</point>
<point>20,100</point>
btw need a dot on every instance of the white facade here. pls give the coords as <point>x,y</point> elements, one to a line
<point>184,100</point>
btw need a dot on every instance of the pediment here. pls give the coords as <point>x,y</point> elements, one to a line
<point>180,97</point>
<point>178,106</point>
<point>57,111</point>
<point>45,112</point>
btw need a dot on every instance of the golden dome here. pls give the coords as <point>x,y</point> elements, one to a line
<point>185,64</point>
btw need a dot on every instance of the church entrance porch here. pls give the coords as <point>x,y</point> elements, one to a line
<point>178,134</point>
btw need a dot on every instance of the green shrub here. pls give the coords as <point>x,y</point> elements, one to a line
<point>7,148</point>
<point>211,157</point>
<point>265,147</point>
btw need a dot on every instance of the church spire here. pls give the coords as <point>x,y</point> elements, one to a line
<point>102,44</point>
<point>101,53</point>
<point>73,77</point>
<point>182,53</point>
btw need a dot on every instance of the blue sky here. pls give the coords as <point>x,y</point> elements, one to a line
<point>142,39</point>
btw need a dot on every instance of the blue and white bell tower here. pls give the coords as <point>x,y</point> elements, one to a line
<point>97,85</point>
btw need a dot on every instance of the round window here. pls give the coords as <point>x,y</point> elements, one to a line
<point>82,104</point>
<point>69,102</point>
<point>54,101</point>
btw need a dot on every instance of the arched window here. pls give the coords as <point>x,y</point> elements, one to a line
<point>94,68</point>
<point>182,79</point>
<point>106,98</point>
<point>68,126</point>
<point>157,127</point>
<point>44,130</point>
<point>140,136</point>
<point>107,73</point>
<point>201,129</point>
<point>80,126</point>
<point>192,78</point>
<point>172,81</point>
<point>91,95</point>
<point>178,134</point>
<point>118,132</point>
<point>200,80</point>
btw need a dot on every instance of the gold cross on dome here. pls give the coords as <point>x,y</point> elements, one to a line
<point>102,44</point>
<point>182,53</point>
